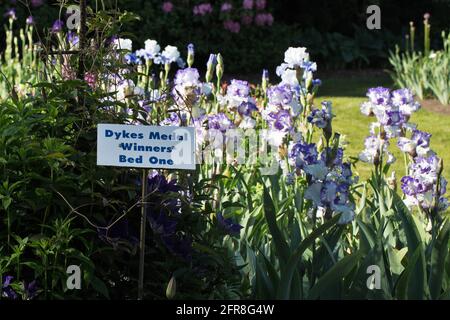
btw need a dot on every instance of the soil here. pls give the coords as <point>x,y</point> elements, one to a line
<point>435,106</point>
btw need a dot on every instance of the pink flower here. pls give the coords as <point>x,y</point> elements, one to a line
<point>90,79</point>
<point>226,6</point>
<point>36,3</point>
<point>264,19</point>
<point>261,4</point>
<point>247,4</point>
<point>232,26</point>
<point>203,9</point>
<point>246,20</point>
<point>167,7</point>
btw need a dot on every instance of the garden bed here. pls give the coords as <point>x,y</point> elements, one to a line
<point>435,106</point>
<point>296,186</point>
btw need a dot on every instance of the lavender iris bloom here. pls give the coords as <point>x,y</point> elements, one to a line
<point>187,77</point>
<point>173,120</point>
<point>238,88</point>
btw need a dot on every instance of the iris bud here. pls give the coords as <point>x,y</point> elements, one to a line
<point>171,288</point>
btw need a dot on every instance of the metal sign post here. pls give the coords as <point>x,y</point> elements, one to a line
<point>142,234</point>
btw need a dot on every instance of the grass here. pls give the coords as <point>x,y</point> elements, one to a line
<point>348,92</point>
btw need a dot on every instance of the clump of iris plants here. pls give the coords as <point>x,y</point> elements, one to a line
<point>424,186</point>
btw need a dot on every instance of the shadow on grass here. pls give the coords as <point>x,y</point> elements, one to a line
<point>352,84</point>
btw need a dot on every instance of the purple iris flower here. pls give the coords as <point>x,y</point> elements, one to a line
<point>379,96</point>
<point>173,120</point>
<point>409,186</point>
<point>7,281</point>
<point>420,185</point>
<point>321,117</point>
<point>421,138</point>
<point>31,290</point>
<point>280,95</point>
<point>303,154</point>
<point>158,183</point>
<point>131,58</point>
<point>7,290</point>
<point>246,108</point>
<point>402,96</point>
<point>317,82</point>
<point>111,40</point>
<point>328,193</point>
<point>11,14</point>
<point>281,121</point>
<point>73,38</point>
<point>228,225</point>
<point>395,118</point>
<point>220,122</point>
<point>238,88</point>
<point>30,20</point>
<point>57,26</point>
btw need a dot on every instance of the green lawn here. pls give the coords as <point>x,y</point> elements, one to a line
<point>347,93</point>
